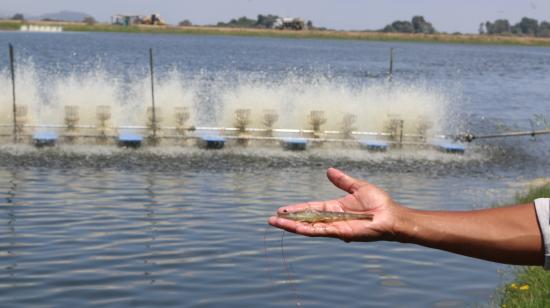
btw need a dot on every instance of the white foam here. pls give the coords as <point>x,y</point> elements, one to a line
<point>294,98</point>
<point>213,101</point>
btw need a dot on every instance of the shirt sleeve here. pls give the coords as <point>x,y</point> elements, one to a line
<point>542,207</point>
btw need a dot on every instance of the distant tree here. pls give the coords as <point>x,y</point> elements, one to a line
<point>481,30</point>
<point>489,27</point>
<point>516,29</point>
<point>420,25</point>
<point>417,25</point>
<point>400,26</point>
<point>185,23</point>
<point>500,26</point>
<point>242,22</point>
<point>544,29</point>
<point>263,21</point>
<point>89,20</point>
<point>266,21</point>
<point>528,26</point>
<point>310,25</point>
<point>18,16</point>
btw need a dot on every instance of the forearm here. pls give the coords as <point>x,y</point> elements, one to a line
<point>507,235</point>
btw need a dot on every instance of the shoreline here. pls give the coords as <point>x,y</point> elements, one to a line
<point>531,285</point>
<point>473,39</point>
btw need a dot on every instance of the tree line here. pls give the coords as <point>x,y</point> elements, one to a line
<point>261,22</point>
<point>417,25</point>
<point>526,27</point>
<point>87,20</point>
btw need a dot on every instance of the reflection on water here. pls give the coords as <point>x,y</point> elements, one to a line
<point>151,220</point>
<point>11,235</point>
<point>179,239</point>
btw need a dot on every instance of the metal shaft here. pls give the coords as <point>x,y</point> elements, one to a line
<point>154,119</point>
<point>470,137</point>
<point>12,69</point>
<point>514,134</point>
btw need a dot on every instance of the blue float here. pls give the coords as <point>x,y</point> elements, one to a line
<point>294,144</point>
<point>44,139</point>
<point>374,145</point>
<point>449,147</point>
<point>130,140</point>
<point>211,142</point>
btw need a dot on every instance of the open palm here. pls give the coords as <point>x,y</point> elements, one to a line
<point>363,198</point>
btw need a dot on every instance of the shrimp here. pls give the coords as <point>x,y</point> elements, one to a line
<point>312,216</point>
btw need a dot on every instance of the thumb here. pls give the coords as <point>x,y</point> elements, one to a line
<point>344,181</point>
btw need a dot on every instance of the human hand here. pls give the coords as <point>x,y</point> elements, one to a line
<point>363,198</point>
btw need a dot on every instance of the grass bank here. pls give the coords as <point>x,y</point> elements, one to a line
<point>531,287</point>
<point>309,34</point>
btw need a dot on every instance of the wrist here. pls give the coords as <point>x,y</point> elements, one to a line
<point>404,227</point>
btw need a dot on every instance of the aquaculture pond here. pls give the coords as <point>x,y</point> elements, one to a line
<point>175,225</point>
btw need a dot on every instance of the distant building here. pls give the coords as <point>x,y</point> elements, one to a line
<point>129,20</point>
<point>289,23</point>
<point>125,20</point>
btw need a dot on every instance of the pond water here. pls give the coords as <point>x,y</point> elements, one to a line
<point>88,225</point>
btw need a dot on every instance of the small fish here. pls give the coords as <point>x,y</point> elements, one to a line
<point>313,216</point>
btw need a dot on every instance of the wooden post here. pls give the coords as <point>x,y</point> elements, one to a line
<point>12,69</point>
<point>390,72</point>
<point>154,119</point>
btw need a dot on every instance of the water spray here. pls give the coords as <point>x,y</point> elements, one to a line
<point>394,128</point>
<point>270,118</point>
<point>422,128</point>
<point>347,126</point>
<point>316,119</point>
<point>21,119</point>
<point>71,123</point>
<point>242,120</point>
<point>369,132</point>
<point>181,115</point>
<point>103,116</point>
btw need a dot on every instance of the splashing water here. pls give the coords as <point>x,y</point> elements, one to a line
<point>213,100</point>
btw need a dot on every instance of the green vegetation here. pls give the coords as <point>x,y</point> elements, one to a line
<point>185,23</point>
<point>262,22</point>
<point>531,287</point>
<point>10,24</point>
<point>417,25</point>
<point>243,22</point>
<point>89,20</point>
<point>265,22</point>
<point>309,34</point>
<point>526,27</point>
<point>18,16</point>
<point>534,192</point>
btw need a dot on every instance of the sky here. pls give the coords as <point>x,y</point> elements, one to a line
<point>446,15</point>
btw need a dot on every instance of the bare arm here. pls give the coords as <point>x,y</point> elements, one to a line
<point>508,235</point>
